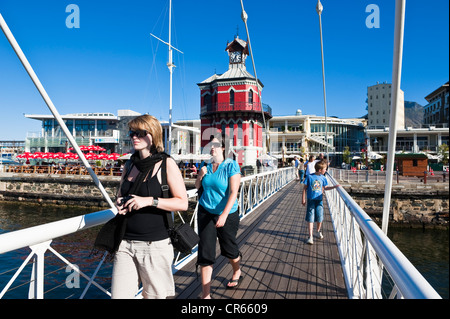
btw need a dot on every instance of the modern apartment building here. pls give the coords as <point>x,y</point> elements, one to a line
<point>423,138</point>
<point>436,112</point>
<point>379,106</point>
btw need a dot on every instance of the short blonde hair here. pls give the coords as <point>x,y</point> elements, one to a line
<point>152,126</point>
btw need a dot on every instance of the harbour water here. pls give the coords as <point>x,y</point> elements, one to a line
<point>427,249</point>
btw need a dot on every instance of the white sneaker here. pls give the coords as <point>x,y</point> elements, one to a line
<point>319,235</point>
<point>310,241</point>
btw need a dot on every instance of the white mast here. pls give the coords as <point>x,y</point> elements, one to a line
<point>319,9</point>
<point>170,65</point>
<point>396,79</point>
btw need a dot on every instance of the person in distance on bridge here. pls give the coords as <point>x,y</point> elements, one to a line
<point>309,165</point>
<point>315,185</point>
<point>301,170</point>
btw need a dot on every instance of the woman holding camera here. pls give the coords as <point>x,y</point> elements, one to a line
<point>143,251</point>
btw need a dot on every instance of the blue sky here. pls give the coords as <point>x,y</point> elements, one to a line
<point>111,62</point>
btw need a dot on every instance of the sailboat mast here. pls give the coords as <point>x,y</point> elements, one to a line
<point>170,65</point>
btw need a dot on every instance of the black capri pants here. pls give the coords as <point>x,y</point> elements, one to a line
<point>208,233</point>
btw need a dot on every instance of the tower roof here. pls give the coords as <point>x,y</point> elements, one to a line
<point>232,73</point>
<point>237,45</point>
<point>236,71</point>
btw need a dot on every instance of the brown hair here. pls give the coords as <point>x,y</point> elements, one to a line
<point>221,139</point>
<point>320,165</point>
<point>152,126</point>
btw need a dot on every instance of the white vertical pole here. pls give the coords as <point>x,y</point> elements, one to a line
<point>51,106</point>
<point>36,289</point>
<point>395,93</point>
<point>319,9</point>
<point>170,65</point>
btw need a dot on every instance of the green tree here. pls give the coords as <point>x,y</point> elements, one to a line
<point>347,155</point>
<point>443,152</point>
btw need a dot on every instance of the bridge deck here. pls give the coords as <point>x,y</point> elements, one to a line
<point>277,262</point>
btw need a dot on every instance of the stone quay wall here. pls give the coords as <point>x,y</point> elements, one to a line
<point>412,204</point>
<point>70,190</point>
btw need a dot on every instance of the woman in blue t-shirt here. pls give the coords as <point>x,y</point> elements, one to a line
<point>218,215</point>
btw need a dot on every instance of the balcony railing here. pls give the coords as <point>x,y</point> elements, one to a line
<point>237,106</point>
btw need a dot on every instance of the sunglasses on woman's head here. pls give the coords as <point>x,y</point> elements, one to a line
<point>138,133</point>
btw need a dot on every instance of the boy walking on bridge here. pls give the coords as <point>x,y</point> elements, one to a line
<point>315,185</point>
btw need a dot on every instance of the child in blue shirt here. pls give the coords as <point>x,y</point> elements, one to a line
<point>315,185</point>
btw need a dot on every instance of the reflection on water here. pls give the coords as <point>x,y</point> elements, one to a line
<point>428,250</point>
<point>76,248</point>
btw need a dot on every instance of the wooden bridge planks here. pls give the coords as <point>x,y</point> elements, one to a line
<point>277,263</point>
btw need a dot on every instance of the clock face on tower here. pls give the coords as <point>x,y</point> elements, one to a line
<point>236,57</point>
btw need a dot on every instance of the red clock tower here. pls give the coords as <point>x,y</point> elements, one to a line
<point>230,104</point>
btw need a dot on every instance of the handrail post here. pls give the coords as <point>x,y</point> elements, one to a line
<point>36,289</point>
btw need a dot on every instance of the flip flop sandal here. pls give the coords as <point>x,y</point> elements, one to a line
<point>236,281</point>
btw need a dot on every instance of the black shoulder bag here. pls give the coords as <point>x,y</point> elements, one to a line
<point>183,237</point>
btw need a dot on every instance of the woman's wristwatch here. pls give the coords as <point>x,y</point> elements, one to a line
<point>155,202</point>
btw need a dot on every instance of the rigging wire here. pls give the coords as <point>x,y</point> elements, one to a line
<point>180,62</point>
<point>244,17</point>
<point>154,97</point>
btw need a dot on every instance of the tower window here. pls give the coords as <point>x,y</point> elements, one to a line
<point>231,97</point>
<point>250,96</point>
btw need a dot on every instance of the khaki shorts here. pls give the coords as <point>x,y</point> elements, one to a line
<point>149,263</point>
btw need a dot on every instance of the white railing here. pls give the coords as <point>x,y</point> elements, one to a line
<point>379,177</point>
<point>368,257</point>
<point>254,190</point>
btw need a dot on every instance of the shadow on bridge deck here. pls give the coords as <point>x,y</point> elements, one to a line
<point>277,263</point>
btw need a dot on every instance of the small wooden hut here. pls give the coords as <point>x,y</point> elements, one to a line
<point>411,164</point>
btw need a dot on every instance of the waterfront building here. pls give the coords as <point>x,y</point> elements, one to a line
<point>107,130</point>
<point>9,149</point>
<point>436,112</point>
<point>379,106</point>
<point>230,104</point>
<point>409,139</point>
<point>102,129</point>
<point>305,134</point>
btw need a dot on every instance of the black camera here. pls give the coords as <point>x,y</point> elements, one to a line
<point>125,199</point>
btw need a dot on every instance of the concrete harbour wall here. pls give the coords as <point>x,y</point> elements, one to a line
<point>71,190</point>
<point>412,204</point>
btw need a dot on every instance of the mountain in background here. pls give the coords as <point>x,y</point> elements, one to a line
<point>413,114</point>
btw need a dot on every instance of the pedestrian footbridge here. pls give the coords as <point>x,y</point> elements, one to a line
<point>354,260</point>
